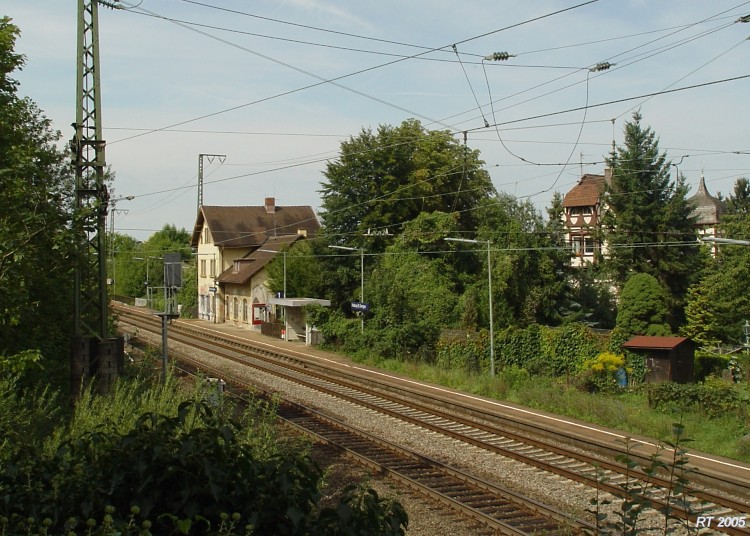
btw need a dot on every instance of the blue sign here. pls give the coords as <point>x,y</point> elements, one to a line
<point>280,294</point>
<point>359,306</point>
<point>212,289</point>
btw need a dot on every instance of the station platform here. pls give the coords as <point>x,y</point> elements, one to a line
<point>298,347</point>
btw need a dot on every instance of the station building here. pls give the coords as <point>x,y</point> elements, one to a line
<point>234,244</point>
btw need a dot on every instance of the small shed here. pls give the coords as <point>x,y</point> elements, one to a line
<point>667,358</point>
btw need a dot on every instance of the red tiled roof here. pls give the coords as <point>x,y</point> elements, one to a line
<point>586,192</point>
<point>645,342</point>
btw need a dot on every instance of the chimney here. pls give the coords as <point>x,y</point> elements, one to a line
<point>270,205</point>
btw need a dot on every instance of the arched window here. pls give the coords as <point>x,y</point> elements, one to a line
<point>236,309</point>
<point>244,310</point>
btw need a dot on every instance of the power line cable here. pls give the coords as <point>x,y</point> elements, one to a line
<point>479,106</point>
<point>307,26</point>
<point>685,76</point>
<point>610,39</point>
<point>334,81</point>
<point>642,57</point>
<point>616,101</point>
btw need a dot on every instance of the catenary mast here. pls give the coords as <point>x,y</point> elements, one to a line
<point>93,352</point>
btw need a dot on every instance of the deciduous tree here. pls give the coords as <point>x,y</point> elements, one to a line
<point>528,283</point>
<point>386,178</point>
<point>410,289</point>
<point>36,254</point>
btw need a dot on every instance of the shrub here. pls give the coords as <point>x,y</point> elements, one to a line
<point>603,372</point>
<point>708,363</point>
<point>714,397</point>
<point>27,416</point>
<point>183,472</point>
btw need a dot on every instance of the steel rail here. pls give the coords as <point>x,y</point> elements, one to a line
<point>457,428</point>
<point>502,510</point>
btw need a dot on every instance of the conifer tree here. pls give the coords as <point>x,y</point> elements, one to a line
<point>648,224</point>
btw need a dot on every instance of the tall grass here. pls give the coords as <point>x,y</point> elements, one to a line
<point>628,411</point>
<point>119,411</point>
<point>26,416</point>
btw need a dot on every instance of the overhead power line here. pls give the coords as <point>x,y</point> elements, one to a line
<point>616,101</point>
<point>334,80</point>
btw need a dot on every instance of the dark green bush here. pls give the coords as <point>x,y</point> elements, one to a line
<point>714,397</point>
<point>184,471</point>
<point>709,363</point>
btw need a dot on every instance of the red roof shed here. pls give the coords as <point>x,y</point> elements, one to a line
<point>667,358</point>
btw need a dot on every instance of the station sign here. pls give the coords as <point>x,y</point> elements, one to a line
<point>212,289</point>
<point>359,306</point>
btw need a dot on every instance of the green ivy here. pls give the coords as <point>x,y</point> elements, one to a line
<point>520,347</point>
<point>469,352</point>
<point>567,348</point>
<point>535,348</point>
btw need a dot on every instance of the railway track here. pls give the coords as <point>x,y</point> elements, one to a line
<point>569,463</point>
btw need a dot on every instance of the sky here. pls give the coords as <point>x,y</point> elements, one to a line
<point>277,85</point>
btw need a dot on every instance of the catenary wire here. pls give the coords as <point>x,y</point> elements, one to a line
<point>334,81</point>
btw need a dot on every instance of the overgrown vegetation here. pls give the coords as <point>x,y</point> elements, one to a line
<point>716,410</point>
<point>153,459</point>
<point>114,463</point>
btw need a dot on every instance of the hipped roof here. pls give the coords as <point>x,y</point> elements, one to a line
<point>250,226</point>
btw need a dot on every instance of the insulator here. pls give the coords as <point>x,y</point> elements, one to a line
<point>499,56</point>
<point>601,66</point>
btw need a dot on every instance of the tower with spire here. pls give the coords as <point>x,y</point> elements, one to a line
<point>707,211</point>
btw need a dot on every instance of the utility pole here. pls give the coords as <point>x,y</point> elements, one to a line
<point>92,351</point>
<point>114,210</point>
<point>210,158</point>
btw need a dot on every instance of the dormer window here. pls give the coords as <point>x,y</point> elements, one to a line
<point>585,211</point>
<point>236,266</point>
